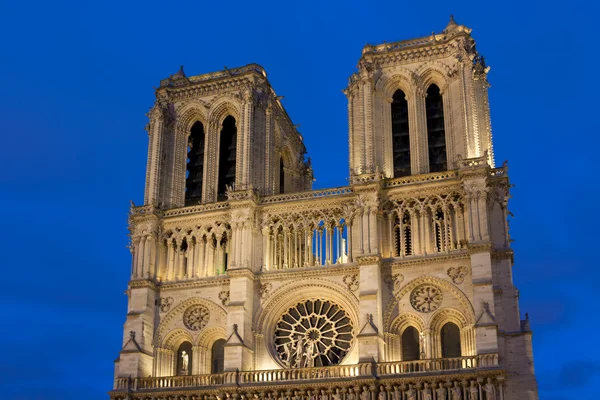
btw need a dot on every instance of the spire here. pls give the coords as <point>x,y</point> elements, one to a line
<point>451,25</point>
<point>179,74</point>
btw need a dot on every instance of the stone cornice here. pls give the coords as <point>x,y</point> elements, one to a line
<point>429,259</point>
<point>303,273</point>
<point>193,284</point>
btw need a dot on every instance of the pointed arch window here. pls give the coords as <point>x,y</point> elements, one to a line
<point>281,176</point>
<point>184,359</point>
<point>436,133</point>
<point>217,357</point>
<point>450,335</point>
<point>227,156</point>
<point>410,344</point>
<point>195,165</point>
<point>400,134</point>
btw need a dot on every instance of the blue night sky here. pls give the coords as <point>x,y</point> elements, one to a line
<point>76,79</point>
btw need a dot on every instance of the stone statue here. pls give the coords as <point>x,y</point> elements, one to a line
<point>310,360</point>
<point>288,354</point>
<point>426,394</point>
<point>473,391</point>
<point>337,395</point>
<point>441,392</point>
<point>411,394</point>
<point>382,393</point>
<point>351,395</point>
<point>185,360</point>
<point>299,352</point>
<point>365,395</point>
<point>456,392</point>
<point>490,390</point>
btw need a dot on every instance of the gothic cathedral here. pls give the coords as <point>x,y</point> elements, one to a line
<point>247,284</point>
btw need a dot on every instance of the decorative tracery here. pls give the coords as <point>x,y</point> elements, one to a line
<point>313,333</point>
<point>426,298</point>
<point>196,317</point>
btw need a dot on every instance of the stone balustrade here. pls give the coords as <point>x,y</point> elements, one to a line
<point>307,375</point>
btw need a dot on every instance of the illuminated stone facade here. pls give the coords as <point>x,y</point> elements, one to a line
<point>398,286</point>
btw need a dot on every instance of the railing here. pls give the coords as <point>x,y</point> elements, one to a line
<point>197,208</point>
<point>314,194</point>
<point>433,177</point>
<point>440,364</point>
<point>311,374</point>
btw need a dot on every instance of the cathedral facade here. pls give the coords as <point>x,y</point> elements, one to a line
<point>247,284</point>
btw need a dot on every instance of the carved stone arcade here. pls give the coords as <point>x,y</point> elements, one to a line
<point>392,288</point>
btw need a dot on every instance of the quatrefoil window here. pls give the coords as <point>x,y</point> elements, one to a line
<point>426,298</point>
<point>196,317</point>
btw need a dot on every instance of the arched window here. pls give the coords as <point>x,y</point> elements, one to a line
<point>436,133</point>
<point>400,136</point>
<point>406,228</point>
<point>218,356</point>
<point>281,176</point>
<point>227,154</point>
<point>440,234</point>
<point>450,335</point>
<point>184,359</point>
<point>195,164</point>
<point>410,344</point>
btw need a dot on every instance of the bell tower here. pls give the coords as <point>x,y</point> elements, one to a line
<point>419,106</point>
<point>221,131</point>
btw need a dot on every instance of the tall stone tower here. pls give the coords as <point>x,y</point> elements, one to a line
<point>247,284</point>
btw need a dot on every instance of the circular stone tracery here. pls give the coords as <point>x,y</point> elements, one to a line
<point>426,298</point>
<point>196,317</point>
<point>313,333</point>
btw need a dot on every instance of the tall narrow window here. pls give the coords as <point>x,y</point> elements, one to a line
<point>410,344</point>
<point>227,154</point>
<point>400,136</point>
<point>406,227</point>
<point>218,356</point>
<point>281,176</point>
<point>184,359</point>
<point>195,165</point>
<point>436,133</point>
<point>450,335</point>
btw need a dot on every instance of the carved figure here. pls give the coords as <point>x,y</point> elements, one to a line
<point>473,391</point>
<point>365,395</point>
<point>441,392</point>
<point>336,395</point>
<point>456,392</point>
<point>185,359</point>
<point>490,390</point>
<point>382,393</point>
<point>351,395</point>
<point>299,352</point>
<point>426,394</point>
<point>309,362</point>
<point>411,394</point>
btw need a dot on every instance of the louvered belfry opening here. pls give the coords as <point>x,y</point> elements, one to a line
<point>281,176</point>
<point>400,134</point>
<point>195,165</point>
<point>410,344</point>
<point>227,155</point>
<point>450,335</point>
<point>436,133</point>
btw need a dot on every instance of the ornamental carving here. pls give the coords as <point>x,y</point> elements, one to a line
<point>313,333</point>
<point>426,298</point>
<point>165,303</point>
<point>352,282</point>
<point>196,317</point>
<point>394,281</point>
<point>457,274</point>
<point>224,297</point>
<point>264,289</point>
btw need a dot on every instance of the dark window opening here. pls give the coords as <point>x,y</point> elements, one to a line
<point>410,344</point>
<point>436,133</point>
<point>400,135</point>
<point>195,165</point>
<point>184,359</point>
<point>218,357</point>
<point>407,234</point>
<point>281,176</point>
<point>450,340</point>
<point>227,155</point>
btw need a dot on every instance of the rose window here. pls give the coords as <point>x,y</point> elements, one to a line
<point>313,333</point>
<point>196,317</point>
<point>426,298</point>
